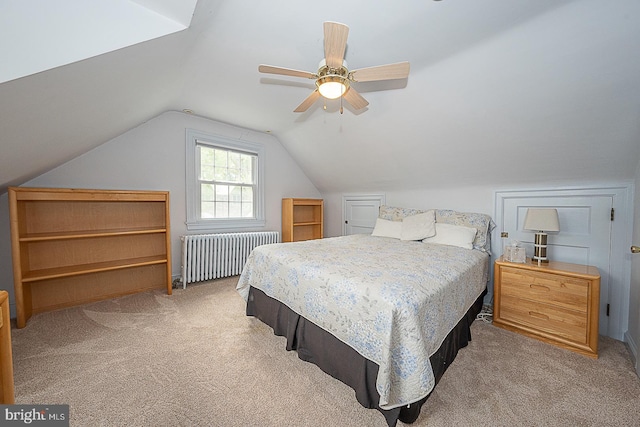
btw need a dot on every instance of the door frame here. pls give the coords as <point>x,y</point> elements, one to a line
<point>621,230</point>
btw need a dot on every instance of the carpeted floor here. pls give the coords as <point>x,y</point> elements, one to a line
<point>195,359</point>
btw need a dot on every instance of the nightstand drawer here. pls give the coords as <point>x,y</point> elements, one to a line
<point>563,291</point>
<point>558,321</point>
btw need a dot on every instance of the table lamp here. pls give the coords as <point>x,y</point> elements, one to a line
<point>541,220</point>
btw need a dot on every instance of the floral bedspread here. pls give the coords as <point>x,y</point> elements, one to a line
<point>392,301</point>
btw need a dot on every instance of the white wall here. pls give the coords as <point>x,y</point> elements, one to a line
<point>466,199</point>
<point>152,157</point>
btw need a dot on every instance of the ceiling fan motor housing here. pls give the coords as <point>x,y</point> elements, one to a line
<point>335,76</point>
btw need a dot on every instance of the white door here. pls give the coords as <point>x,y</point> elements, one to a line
<point>360,213</point>
<point>584,236</point>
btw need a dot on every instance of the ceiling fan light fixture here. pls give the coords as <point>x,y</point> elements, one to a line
<point>332,87</point>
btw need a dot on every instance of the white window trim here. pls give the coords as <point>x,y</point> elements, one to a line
<point>215,224</point>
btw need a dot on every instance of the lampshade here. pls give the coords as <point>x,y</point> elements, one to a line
<point>540,219</point>
<point>331,87</point>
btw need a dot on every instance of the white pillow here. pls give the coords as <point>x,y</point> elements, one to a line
<point>386,228</point>
<point>453,235</point>
<point>420,226</point>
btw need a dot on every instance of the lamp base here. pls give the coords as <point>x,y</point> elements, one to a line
<point>539,261</point>
<point>540,249</point>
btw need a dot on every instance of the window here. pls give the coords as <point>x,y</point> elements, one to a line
<point>224,182</point>
<point>227,182</point>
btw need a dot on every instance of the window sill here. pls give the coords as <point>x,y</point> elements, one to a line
<point>224,224</point>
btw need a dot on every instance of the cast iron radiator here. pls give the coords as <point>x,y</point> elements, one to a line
<point>211,256</point>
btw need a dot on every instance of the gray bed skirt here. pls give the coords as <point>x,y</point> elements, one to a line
<point>313,344</point>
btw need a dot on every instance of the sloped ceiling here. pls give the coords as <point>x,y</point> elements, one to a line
<point>499,92</point>
<point>41,34</point>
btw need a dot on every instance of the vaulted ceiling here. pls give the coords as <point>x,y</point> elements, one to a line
<point>498,93</point>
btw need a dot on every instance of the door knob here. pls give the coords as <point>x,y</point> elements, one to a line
<point>635,249</point>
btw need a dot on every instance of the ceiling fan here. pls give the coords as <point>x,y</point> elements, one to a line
<point>333,79</point>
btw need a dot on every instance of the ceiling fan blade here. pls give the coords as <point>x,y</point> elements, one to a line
<point>399,70</point>
<point>335,43</point>
<point>308,102</point>
<point>355,99</point>
<point>269,69</point>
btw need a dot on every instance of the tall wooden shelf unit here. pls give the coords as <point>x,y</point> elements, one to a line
<point>302,219</point>
<point>7,393</point>
<point>73,246</point>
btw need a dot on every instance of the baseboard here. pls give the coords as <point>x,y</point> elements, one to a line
<point>633,349</point>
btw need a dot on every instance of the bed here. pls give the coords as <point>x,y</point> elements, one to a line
<point>384,313</point>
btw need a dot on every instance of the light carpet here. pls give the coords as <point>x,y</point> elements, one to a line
<point>195,359</point>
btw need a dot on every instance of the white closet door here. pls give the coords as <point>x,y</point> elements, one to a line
<point>584,236</point>
<point>360,213</point>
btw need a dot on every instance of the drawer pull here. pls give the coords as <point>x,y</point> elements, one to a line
<point>538,315</point>
<point>539,287</point>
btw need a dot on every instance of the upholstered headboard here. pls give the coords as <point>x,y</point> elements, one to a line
<point>481,222</point>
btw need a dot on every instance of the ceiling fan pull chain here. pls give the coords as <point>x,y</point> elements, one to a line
<point>341,110</point>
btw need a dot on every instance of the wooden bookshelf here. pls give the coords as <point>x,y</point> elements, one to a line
<point>73,246</point>
<point>302,219</point>
<point>7,395</point>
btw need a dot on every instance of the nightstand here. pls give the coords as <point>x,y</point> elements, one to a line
<point>556,302</point>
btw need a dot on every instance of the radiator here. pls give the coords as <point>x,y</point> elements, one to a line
<point>211,256</point>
